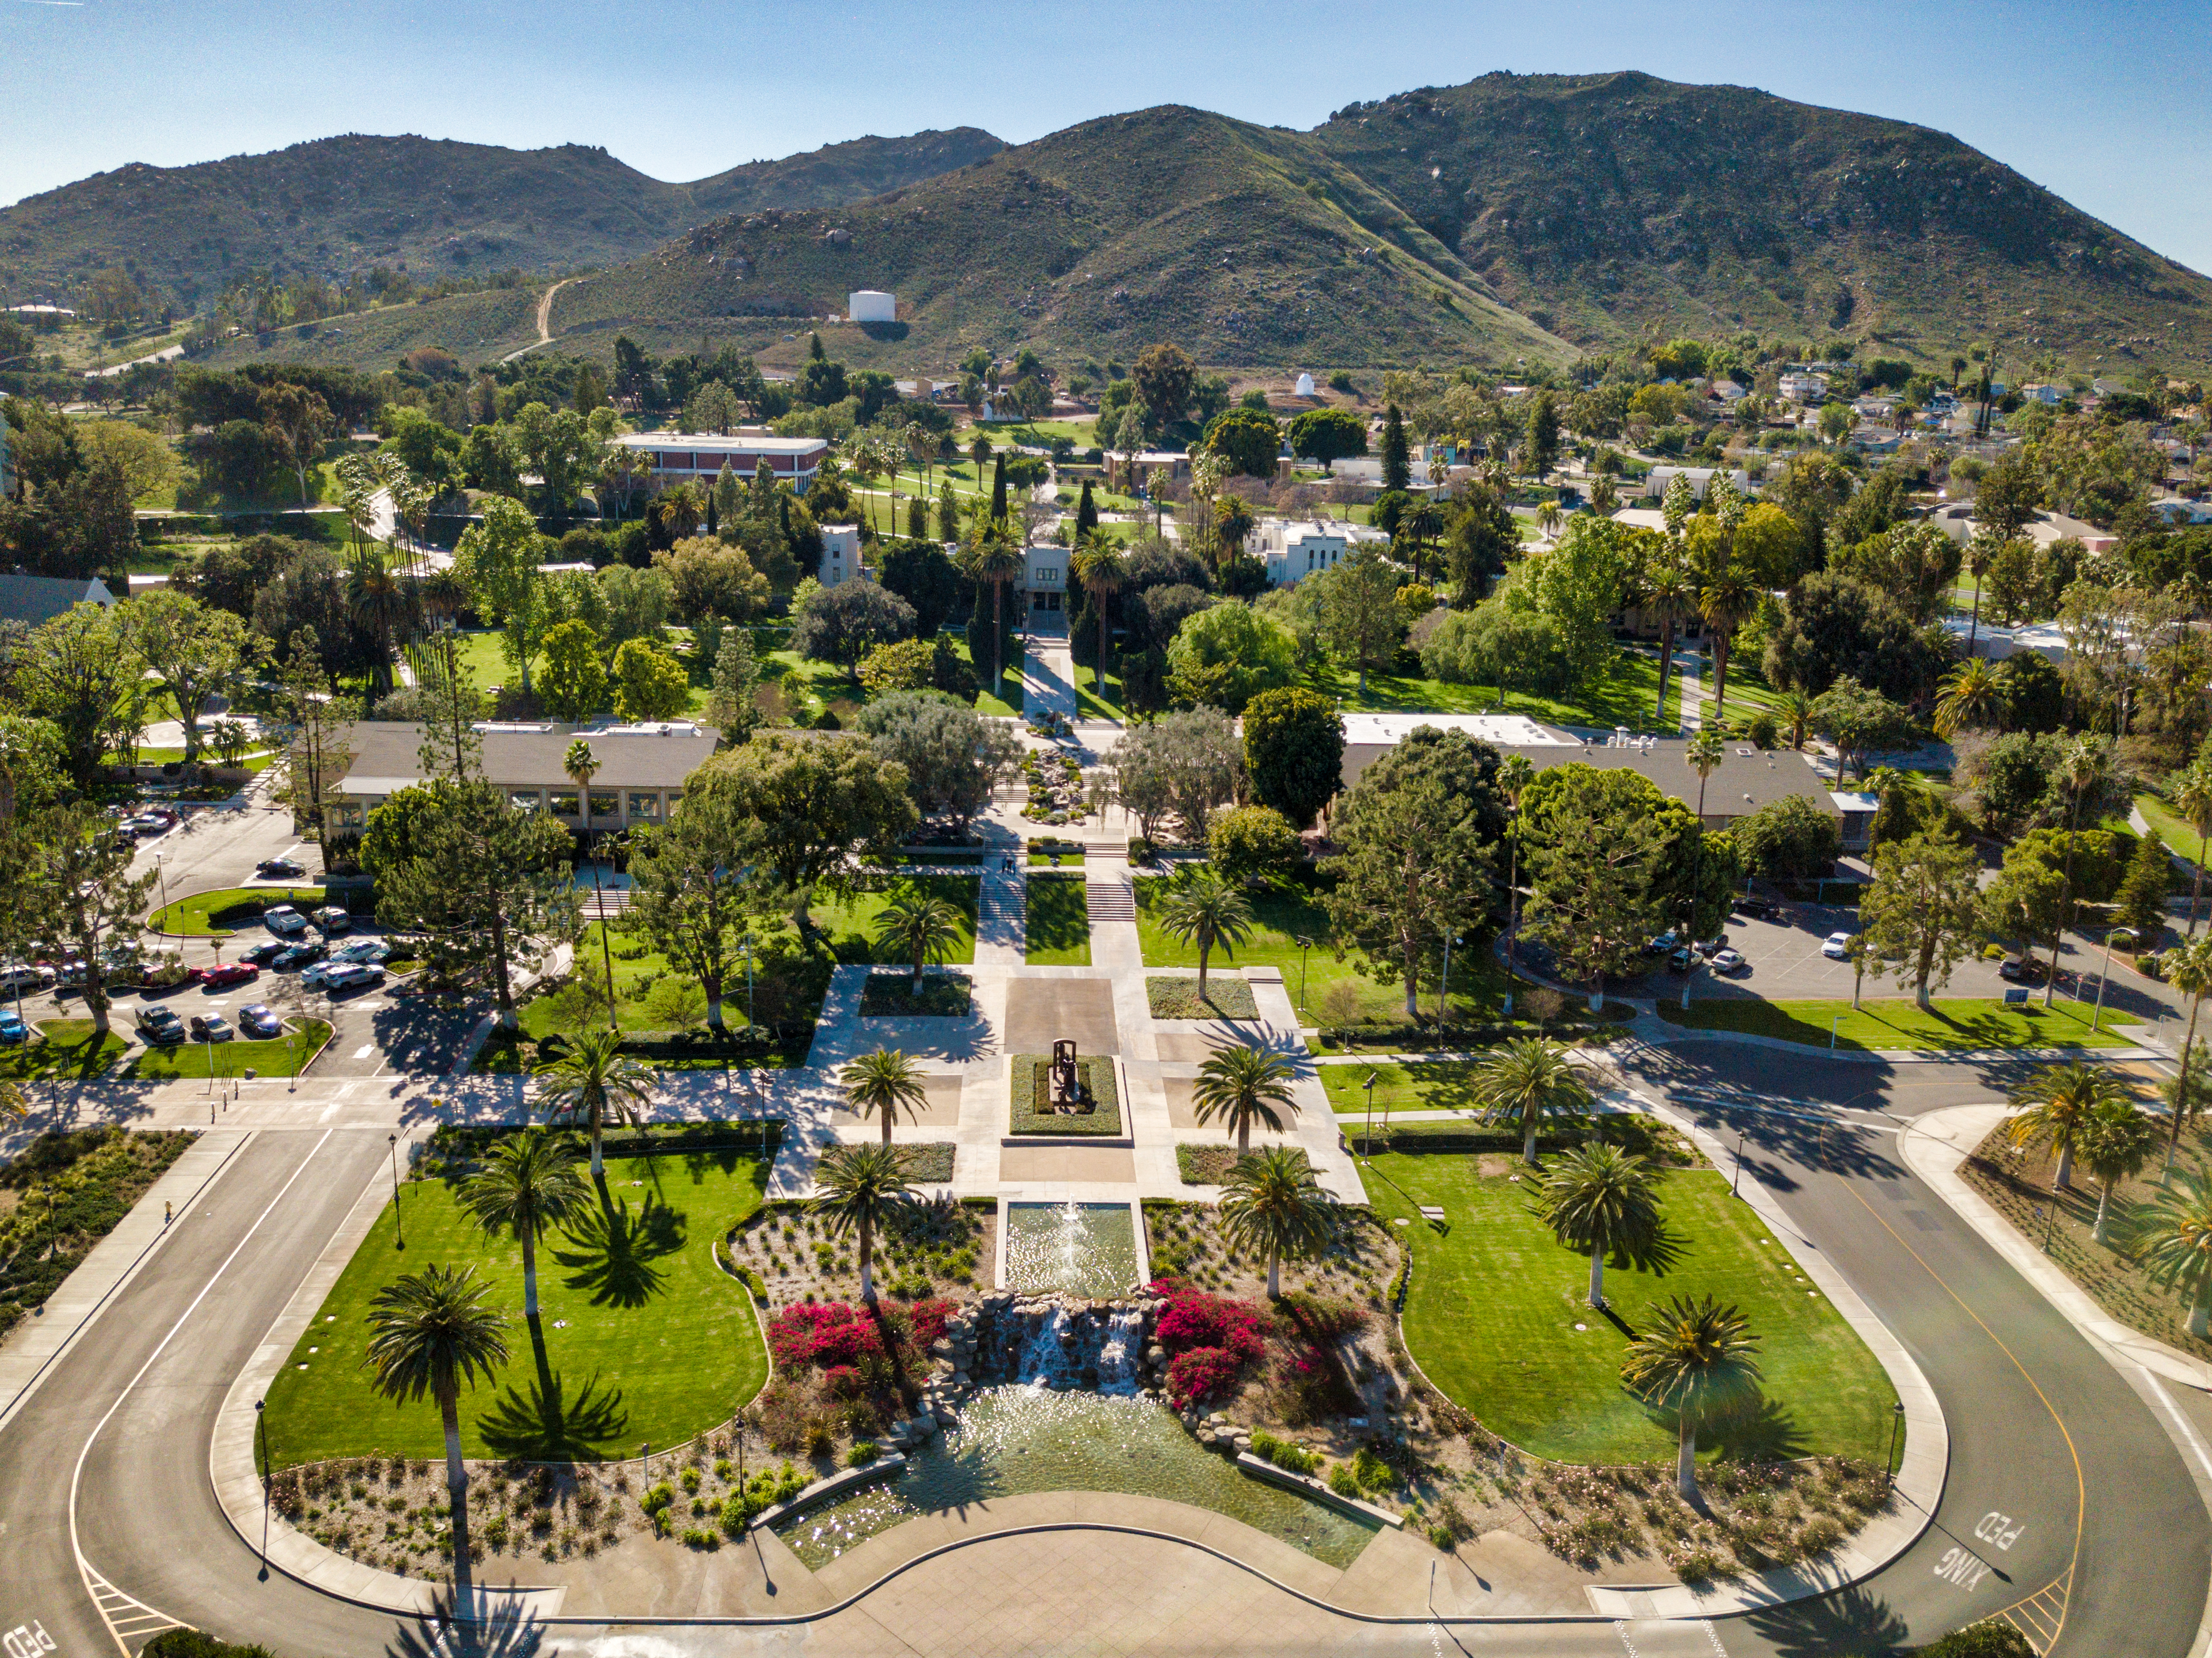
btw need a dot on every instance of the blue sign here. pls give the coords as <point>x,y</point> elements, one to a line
<point>2015,999</point>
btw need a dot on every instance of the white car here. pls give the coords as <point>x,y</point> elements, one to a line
<point>283,920</point>
<point>1836,946</point>
<point>351,975</point>
<point>1726,960</point>
<point>375,952</point>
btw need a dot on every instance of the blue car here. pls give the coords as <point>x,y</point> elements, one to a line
<point>13,1029</point>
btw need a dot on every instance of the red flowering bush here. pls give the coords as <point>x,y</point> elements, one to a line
<point>924,1321</point>
<point>842,1381</point>
<point>1194,1320</point>
<point>1198,1374</point>
<point>827,1333</point>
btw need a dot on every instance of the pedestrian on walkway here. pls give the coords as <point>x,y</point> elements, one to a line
<point>168,1213</point>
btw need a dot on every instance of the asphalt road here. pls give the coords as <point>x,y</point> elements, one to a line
<point>2110,1547</point>
<point>2067,1500</point>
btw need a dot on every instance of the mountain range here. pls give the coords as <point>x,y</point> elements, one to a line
<point>1515,219</point>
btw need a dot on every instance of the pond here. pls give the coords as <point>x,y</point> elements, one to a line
<point>1016,1439</point>
<point>1076,1249</point>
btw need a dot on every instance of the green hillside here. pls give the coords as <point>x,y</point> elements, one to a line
<point>336,205</point>
<point>1246,244</point>
<point>1608,207</point>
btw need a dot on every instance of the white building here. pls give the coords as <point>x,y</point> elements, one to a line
<point>1305,386</point>
<point>1804,388</point>
<point>701,456</point>
<point>1701,477</point>
<point>841,555</point>
<point>869,304</point>
<point>1045,577</point>
<point>1292,549</point>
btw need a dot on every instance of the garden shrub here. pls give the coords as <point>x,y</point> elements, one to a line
<point>197,1643</point>
<point>1193,1319</point>
<point>828,1334</point>
<point>1343,1481</point>
<point>1992,1638</point>
<point>698,1537</point>
<point>864,1452</point>
<point>1283,1454</point>
<point>1372,1473</point>
<point>1199,1374</point>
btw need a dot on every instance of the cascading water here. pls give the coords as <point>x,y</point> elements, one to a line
<point>1065,1347</point>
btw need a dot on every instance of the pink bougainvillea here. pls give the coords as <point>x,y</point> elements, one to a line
<point>842,1381</point>
<point>1200,1374</point>
<point>1194,1320</point>
<point>827,1333</point>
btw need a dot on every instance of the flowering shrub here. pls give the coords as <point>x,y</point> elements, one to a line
<point>1193,1319</point>
<point>842,1381</point>
<point>924,1321</point>
<point>828,1334</point>
<point>1196,1375</point>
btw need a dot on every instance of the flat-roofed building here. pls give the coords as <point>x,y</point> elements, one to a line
<point>681,458</point>
<point>1293,548</point>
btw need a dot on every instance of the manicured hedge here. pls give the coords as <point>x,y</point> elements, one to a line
<point>1030,1113</point>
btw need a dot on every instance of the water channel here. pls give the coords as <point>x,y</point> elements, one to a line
<point>1075,1249</point>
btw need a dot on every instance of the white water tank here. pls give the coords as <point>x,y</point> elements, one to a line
<point>1305,384</point>
<point>867,305</point>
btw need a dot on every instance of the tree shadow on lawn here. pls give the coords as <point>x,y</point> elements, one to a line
<point>545,1426</point>
<point>613,1253</point>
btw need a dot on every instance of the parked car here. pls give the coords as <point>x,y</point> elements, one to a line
<point>374,951</point>
<point>1682,961</point>
<point>158,1027</point>
<point>316,976</point>
<point>279,869</point>
<point>351,975</point>
<point>226,973</point>
<point>296,957</point>
<point>2013,970</point>
<point>333,917</point>
<point>1836,946</point>
<point>147,824</point>
<point>24,975</point>
<point>13,1031</point>
<point>1712,946</point>
<point>283,920</point>
<point>169,816</point>
<point>1765,909</point>
<point>1663,945</point>
<point>211,1027</point>
<point>265,952</point>
<point>259,1021</point>
<point>1727,961</point>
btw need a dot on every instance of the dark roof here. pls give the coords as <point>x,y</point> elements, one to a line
<point>33,599</point>
<point>1746,780</point>
<point>385,753</point>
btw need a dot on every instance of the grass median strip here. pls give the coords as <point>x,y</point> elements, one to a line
<point>640,1337</point>
<point>1179,998</point>
<point>279,1056</point>
<point>217,914</point>
<point>67,1049</point>
<point>1059,922</point>
<point>1954,1024</point>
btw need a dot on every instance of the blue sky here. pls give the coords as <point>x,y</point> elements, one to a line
<point>2107,103</point>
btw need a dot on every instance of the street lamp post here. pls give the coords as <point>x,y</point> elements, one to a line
<point>1735,1182</point>
<point>1370,1147</point>
<point>1305,944</point>
<point>261,1431</point>
<point>399,1228</point>
<point>2105,973</point>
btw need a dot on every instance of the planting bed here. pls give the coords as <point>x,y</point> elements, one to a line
<point>1030,1113</point>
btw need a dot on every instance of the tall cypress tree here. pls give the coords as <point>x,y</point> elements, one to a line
<point>1086,512</point>
<point>1397,458</point>
<point>998,486</point>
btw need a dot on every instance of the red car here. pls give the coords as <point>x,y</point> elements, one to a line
<point>226,973</point>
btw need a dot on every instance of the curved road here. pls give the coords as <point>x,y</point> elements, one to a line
<point>2109,1550</point>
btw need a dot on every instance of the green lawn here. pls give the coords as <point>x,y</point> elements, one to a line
<point>280,1056</point>
<point>257,761</point>
<point>1955,1022</point>
<point>1280,919</point>
<point>1088,703</point>
<point>1434,1085</point>
<point>1624,697</point>
<point>2177,834</point>
<point>850,925</point>
<point>68,1051</point>
<point>1494,1301</point>
<point>481,654</point>
<point>215,914</point>
<point>1059,922</point>
<point>813,686</point>
<point>640,1337</point>
<point>635,962</point>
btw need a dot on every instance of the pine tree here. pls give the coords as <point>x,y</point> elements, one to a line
<point>814,352</point>
<point>998,486</point>
<point>1397,458</point>
<point>2141,903</point>
<point>948,514</point>
<point>1086,512</point>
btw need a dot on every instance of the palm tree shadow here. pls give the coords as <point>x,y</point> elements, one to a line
<point>1849,1620</point>
<point>544,1425</point>
<point>466,1624</point>
<point>612,1254</point>
<point>1762,1431</point>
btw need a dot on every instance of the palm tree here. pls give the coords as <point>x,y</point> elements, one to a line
<point>14,1106</point>
<point>1098,565</point>
<point>1233,520</point>
<point>1605,496</point>
<point>1515,773</point>
<point>1203,909</point>
<point>1273,1204</point>
<point>1668,595</point>
<point>1981,552</point>
<point>2192,798</point>
<point>881,1085</point>
<point>857,1188</point>
<point>1726,602</point>
<point>2173,1242</point>
<point>920,927</point>
<point>1695,1360</point>
<point>2057,1104</point>
<point>2083,767</point>
<point>2187,969</point>
<point>1601,1200</point>
<point>529,1182</point>
<point>1241,1085</point>
<point>1795,709</point>
<point>378,599</point>
<point>1970,695</point>
<point>2115,1143</point>
<point>1528,1080</point>
<point>582,765</point>
<point>993,558</point>
<point>432,1334</point>
<point>591,1082</point>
